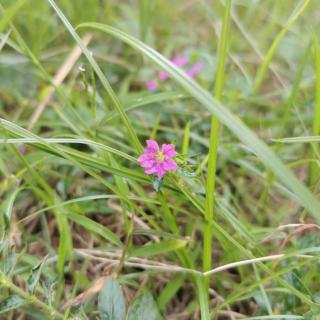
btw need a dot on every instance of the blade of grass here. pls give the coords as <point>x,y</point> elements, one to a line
<point>4,39</point>
<point>186,140</point>
<point>314,168</point>
<point>265,64</point>
<point>94,227</point>
<point>305,139</point>
<point>10,13</point>
<point>214,141</point>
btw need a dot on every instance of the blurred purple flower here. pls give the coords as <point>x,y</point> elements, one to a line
<point>22,150</point>
<point>179,61</point>
<point>195,69</point>
<point>152,85</point>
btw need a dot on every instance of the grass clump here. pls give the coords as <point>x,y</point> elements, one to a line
<point>222,222</point>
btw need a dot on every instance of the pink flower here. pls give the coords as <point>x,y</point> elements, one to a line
<point>156,161</point>
<point>22,150</point>
<point>179,61</point>
<point>151,85</point>
<point>163,75</point>
<point>195,69</point>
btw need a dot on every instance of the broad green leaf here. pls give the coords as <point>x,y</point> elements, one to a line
<point>158,248</point>
<point>143,308</point>
<point>111,302</point>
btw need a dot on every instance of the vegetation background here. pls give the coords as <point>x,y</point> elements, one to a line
<point>233,233</point>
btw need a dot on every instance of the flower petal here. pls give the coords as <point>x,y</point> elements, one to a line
<point>160,170</point>
<point>148,164</point>
<point>168,150</point>
<point>152,146</point>
<point>169,165</point>
<point>151,85</point>
<point>144,157</point>
<point>195,69</point>
<point>180,61</point>
<point>163,75</point>
<point>151,170</point>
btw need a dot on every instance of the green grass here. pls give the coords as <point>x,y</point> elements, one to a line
<point>233,233</point>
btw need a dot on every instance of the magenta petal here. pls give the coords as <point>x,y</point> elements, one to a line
<point>168,150</point>
<point>151,85</point>
<point>163,75</point>
<point>180,61</point>
<point>169,165</point>
<point>144,157</point>
<point>22,150</point>
<point>195,69</point>
<point>152,146</point>
<point>151,170</point>
<point>160,170</point>
<point>147,164</point>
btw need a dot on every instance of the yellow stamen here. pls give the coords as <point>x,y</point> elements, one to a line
<point>160,156</point>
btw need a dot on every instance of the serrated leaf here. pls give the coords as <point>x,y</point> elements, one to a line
<point>111,302</point>
<point>144,308</point>
<point>34,277</point>
<point>10,303</point>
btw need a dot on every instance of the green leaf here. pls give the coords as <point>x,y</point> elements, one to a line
<point>11,303</point>
<point>158,248</point>
<point>111,302</point>
<point>8,209</point>
<point>144,308</point>
<point>35,276</point>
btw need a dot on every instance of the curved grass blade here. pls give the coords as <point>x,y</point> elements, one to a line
<point>264,66</point>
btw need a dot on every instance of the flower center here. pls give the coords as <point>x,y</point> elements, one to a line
<point>160,156</point>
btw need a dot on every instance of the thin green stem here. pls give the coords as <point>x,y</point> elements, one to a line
<point>213,150</point>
